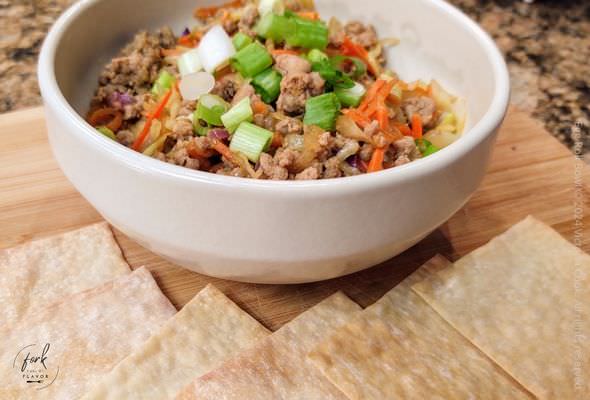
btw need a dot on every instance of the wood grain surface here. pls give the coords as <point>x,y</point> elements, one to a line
<point>531,173</point>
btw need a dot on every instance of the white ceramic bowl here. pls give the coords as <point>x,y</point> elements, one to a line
<point>263,231</point>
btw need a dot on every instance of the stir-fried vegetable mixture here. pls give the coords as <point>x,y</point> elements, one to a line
<point>265,89</point>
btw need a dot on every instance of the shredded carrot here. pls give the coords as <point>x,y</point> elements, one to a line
<point>376,163</point>
<point>277,140</point>
<point>416,126</point>
<point>148,123</point>
<point>311,15</point>
<point>207,12</point>
<point>404,129</point>
<point>278,52</point>
<point>371,93</point>
<point>222,149</point>
<point>259,107</point>
<point>106,116</point>
<point>349,48</point>
<point>383,117</point>
<point>188,40</point>
<point>360,119</point>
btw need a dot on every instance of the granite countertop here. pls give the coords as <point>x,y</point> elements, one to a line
<point>546,44</point>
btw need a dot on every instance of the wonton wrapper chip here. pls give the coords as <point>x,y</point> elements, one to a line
<point>400,348</point>
<point>276,368</point>
<point>38,273</point>
<point>88,334</point>
<point>206,332</point>
<point>524,300</point>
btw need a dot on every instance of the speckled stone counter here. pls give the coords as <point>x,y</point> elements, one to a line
<point>546,44</point>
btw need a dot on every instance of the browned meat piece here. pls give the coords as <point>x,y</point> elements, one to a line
<point>423,106</point>
<point>291,64</point>
<point>125,137</point>
<point>271,169</point>
<point>265,120</point>
<point>316,85</point>
<point>289,126</point>
<point>365,35</point>
<point>332,168</point>
<point>310,173</point>
<point>285,157</point>
<point>244,91</point>
<point>182,128</point>
<point>248,19</point>
<point>226,87</point>
<point>296,89</point>
<point>187,108</point>
<point>405,150</point>
<point>136,67</point>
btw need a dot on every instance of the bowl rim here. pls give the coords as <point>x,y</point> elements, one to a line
<point>54,98</point>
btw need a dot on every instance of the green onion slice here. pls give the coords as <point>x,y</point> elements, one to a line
<point>322,111</point>
<point>107,132</point>
<point>164,82</point>
<point>317,56</point>
<point>240,41</point>
<point>210,109</point>
<point>426,148</point>
<point>275,27</point>
<point>252,60</point>
<point>250,140</point>
<point>307,34</point>
<point>351,97</point>
<point>237,114</point>
<point>268,85</point>
<point>333,77</point>
<point>351,66</point>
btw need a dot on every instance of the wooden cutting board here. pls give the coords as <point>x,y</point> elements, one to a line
<point>531,173</point>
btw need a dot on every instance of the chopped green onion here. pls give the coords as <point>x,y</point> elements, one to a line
<point>252,60</point>
<point>200,127</point>
<point>322,111</point>
<point>307,34</point>
<point>107,132</point>
<point>275,27</point>
<point>268,85</point>
<point>426,148</point>
<point>333,77</point>
<point>210,109</point>
<point>250,140</point>
<point>351,66</point>
<point>316,56</point>
<point>351,97</point>
<point>240,41</point>
<point>189,63</point>
<point>237,114</point>
<point>164,82</point>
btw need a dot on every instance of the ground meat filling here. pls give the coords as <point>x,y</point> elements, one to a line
<point>421,105</point>
<point>405,151</point>
<point>227,87</point>
<point>288,64</point>
<point>296,88</point>
<point>365,35</point>
<point>289,126</point>
<point>133,72</point>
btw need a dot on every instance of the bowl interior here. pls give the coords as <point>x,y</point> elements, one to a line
<point>435,42</point>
